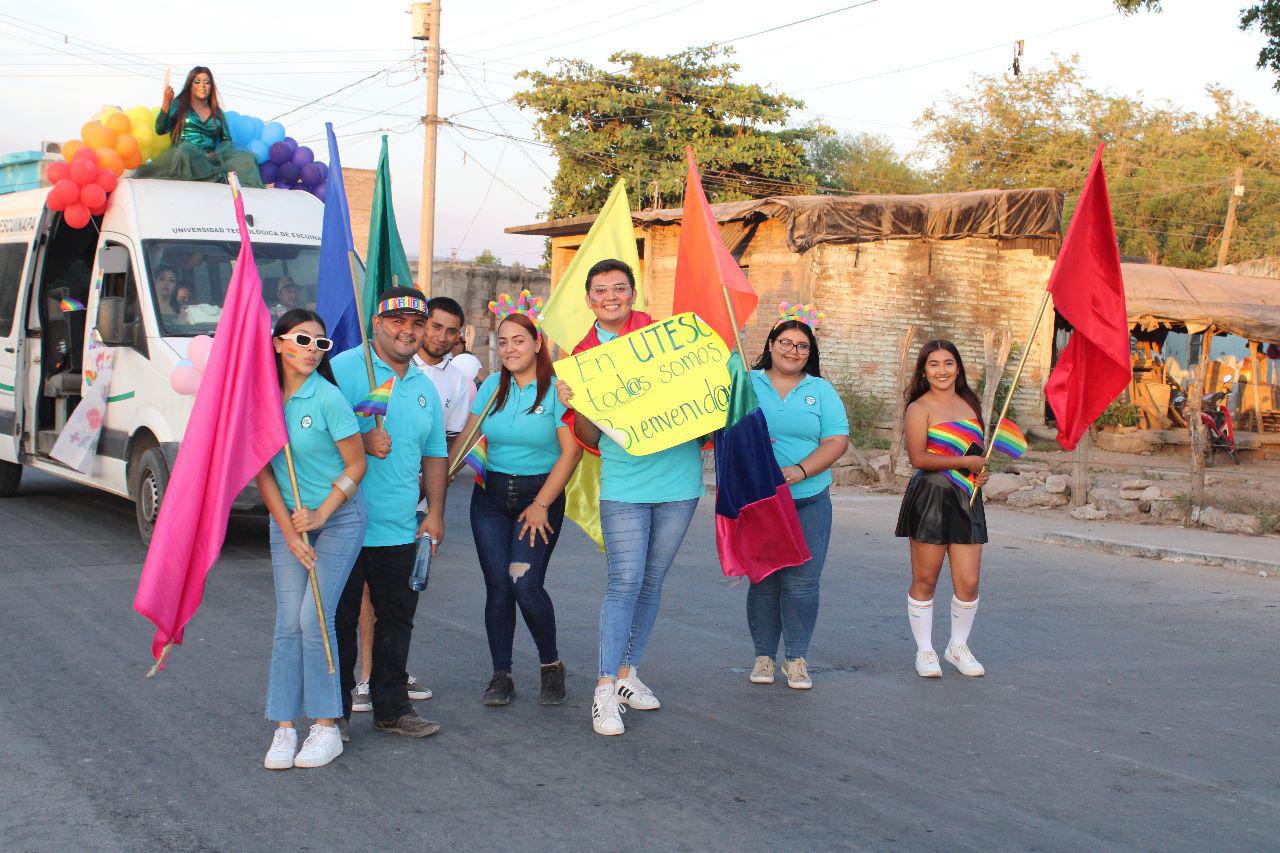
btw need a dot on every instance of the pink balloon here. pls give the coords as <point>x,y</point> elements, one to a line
<point>185,379</point>
<point>198,351</point>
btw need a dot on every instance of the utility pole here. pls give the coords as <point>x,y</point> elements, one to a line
<point>426,27</point>
<point>1237,190</point>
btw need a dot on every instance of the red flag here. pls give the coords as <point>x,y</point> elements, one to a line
<point>704,267</point>
<point>1088,292</point>
<point>236,426</point>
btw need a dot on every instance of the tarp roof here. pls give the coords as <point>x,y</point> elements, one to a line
<point>1242,305</point>
<point>814,219</point>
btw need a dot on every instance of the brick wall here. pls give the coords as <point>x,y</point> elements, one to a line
<point>359,184</point>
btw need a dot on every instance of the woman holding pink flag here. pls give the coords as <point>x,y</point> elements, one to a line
<point>329,462</point>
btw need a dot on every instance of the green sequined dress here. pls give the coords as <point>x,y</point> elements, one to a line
<point>203,152</point>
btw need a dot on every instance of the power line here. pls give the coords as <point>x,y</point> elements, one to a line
<point>789,24</point>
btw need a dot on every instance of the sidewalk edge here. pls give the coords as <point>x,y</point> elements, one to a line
<point>1168,555</point>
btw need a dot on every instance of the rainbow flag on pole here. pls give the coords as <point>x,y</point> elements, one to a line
<point>375,405</point>
<point>1009,440</point>
<point>69,303</point>
<point>477,459</point>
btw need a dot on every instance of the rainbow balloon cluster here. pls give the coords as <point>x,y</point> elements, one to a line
<point>808,314</point>
<point>122,139</point>
<point>528,305</point>
<point>282,162</point>
<point>80,188</point>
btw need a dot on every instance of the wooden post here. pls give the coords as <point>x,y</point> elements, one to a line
<point>904,368</point>
<point>426,27</point>
<point>1080,471</point>
<point>1237,190</point>
<point>1255,379</point>
<point>1194,398</point>
<point>996,347</point>
<point>311,572</point>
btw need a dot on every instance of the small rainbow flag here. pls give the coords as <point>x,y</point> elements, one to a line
<point>70,304</point>
<point>477,459</point>
<point>961,478</point>
<point>377,402</point>
<point>1009,440</point>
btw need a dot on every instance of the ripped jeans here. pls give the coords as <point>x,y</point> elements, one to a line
<point>513,569</point>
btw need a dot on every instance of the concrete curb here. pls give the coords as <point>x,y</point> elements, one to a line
<point>1262,568</point>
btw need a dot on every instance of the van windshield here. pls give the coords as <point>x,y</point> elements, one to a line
<point>189,280</point>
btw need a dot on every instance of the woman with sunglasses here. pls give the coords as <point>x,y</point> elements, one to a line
<point>810,431</point>
<point>328,462</point>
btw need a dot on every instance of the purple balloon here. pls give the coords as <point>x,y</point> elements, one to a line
<point>288,173</point>
<point>312,176</point>
<point>268,171</point>
<point>292,143</point>
<point>283,185</point>
<point>320,191</point>
<point>324,171</point>
<point>303,156</point>
<point>279,153</point>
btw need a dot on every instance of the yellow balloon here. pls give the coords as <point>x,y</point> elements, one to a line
<point>140,117</point>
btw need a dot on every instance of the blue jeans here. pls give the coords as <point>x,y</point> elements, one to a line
<point>502,552</point>
<point>785,604</point>
<point>300,682</point>
<point>640,542</point>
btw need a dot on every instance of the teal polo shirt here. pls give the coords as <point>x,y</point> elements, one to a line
<point>317,417</point>
<point>521,443</point>
<point>811,412</point>
<point>415,421</point>
<point>674,474</point>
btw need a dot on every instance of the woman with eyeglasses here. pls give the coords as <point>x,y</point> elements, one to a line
<point>810,430</point>
<point>328,462</point>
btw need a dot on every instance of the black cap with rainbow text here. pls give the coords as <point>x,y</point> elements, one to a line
<point>401,300</point>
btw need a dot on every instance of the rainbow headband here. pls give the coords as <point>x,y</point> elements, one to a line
<point>809,314</point>
<point>402,303</point>
<point>528,305</point>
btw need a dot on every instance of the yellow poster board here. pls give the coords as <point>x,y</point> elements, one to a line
<point>654,388</point>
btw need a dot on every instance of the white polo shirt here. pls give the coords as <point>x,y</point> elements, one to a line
<point>455,390</point>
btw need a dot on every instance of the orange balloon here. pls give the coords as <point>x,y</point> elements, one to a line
<point>97,135</point>
<point>127,146</point>
<point>70,147</point>
<point>119,122</point>
<point>132,160</point>
<point>111,161</point>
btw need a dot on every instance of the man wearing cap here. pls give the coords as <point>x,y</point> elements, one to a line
<point>410,442</point>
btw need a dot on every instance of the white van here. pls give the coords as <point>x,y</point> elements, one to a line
<point>165,251</point>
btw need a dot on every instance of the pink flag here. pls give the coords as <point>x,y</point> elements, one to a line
<point>236,426</point>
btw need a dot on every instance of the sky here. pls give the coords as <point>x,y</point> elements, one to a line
<point>873,68</point>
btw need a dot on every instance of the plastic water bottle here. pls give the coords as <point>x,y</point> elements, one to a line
<point>422,564</point>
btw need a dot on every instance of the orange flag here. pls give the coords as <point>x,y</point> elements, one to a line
<point>705,270</point>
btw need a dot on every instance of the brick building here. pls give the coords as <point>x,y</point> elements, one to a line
<point>952,264</point>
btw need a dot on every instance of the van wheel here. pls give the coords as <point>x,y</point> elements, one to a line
<point>152,480</point>
<point>10,477</point>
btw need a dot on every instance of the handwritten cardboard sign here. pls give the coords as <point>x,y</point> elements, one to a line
<point>654,388</point>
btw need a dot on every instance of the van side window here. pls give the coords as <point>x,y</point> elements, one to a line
<point>12,257</point>
<point>123,284</point>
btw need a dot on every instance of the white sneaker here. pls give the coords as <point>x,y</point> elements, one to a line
<point>418,691</point>
<point>962,659</point>
<point>635,693</point>
<point>797,673</point>
<point>321,746</point>
<point>284,743</point>
<point>927,665</point>
<point>360,701</point>
<point>762,672</point>
<point>606,713</point>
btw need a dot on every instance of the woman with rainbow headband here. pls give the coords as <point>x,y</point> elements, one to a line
<point>517,513</point>
<point>810,431</point>
<point>943,418</point>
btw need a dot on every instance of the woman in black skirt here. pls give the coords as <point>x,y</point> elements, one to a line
<point>942,416</point>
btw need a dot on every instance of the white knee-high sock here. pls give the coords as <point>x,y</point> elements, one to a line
<point>920,614</point>
<point>962,613</point>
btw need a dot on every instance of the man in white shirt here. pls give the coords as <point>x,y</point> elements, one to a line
<point>444,327</point>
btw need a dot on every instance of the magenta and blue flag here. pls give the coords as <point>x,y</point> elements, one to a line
<point>335,294</point>
<point>757,528</point>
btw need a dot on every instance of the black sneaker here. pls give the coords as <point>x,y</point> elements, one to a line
<point>501,690</point>
<point>552,684</point>
<point>409,725</point>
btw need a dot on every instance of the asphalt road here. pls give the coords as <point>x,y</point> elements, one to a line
<point>1129,704</point>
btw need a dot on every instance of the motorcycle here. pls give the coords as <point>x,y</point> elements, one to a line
<point>1220,429</point>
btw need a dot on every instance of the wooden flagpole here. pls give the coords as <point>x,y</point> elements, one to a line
<point>1013,386</point>
<point>737,339</point>
<point>464,446</point>
<point>364,336</point>
<point>311,572</point>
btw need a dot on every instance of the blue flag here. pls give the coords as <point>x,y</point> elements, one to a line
<point>335,293</point>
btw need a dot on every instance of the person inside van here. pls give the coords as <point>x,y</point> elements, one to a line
<point>166,292</point>
<point>288,295</point>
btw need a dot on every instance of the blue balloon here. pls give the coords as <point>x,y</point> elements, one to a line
<point>253,128</point>
<point>184,362</point>
<point>287,173</point>
<point>233,125</point>
<point>268,172</point>
<point>258,149</point>
<point>279,153</point>
<point>272,133</point>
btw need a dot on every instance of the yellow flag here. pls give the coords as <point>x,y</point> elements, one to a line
<point>582,498</point>
<point>566,319</point>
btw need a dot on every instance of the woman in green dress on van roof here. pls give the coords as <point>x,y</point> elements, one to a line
<point>202,149</point>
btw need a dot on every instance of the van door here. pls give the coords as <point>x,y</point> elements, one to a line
<point>13,258</point>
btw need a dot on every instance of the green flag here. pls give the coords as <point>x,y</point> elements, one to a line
<point>386,252</point>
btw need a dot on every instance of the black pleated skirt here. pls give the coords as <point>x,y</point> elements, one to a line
<point>936,511</point>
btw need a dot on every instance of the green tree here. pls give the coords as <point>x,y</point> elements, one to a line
<point>862,163</point>
<point>633,123</point>
<point>1168,170</point>
<point>487,258</point>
